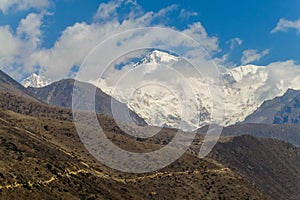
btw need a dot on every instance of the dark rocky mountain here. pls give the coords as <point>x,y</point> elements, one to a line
<point>290,113</point>
<point>60,94</point>
<point>283,109</point>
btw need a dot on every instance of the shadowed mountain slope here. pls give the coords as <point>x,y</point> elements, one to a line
<point>283,109</point>
<point>9,85</point>
<point>60,94</point>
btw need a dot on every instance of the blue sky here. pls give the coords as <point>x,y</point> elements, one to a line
<point>246,31</point>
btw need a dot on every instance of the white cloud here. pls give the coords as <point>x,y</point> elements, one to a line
<point>198,32</point>
<point>234,42</point>
<point>9,47</point>
<point>71,48</point>
<point>166,10</point>
<point>184,14</point>
<point>7,5</point>
<point>281,76</point>
<point>107,11</point>
<point>16,49</point>
<point>29,29</point>
<point>78,40</point>
<point>284,25</point>
<point>252,55</point>
<point>22,53</point>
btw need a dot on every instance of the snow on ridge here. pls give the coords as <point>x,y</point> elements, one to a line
<point>238,73</point>
<point>36,81</point>
<point>245,88</point>
<point>158,57</point>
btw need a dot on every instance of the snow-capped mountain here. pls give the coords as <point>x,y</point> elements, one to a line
<point>35,81</point>
<point>245,88</point>
<point>158,57</point>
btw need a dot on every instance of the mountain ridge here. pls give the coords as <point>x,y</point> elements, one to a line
<point>245,89</point>
<point>60,94</point>
<point>278,110</point>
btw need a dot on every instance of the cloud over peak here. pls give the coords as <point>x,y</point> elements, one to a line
<point>252,55</point>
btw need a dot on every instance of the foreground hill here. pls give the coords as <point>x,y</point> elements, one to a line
<point>273,166</point>
<point>43,158</point>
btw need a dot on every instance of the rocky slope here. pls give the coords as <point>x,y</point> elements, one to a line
<point>9,85</point>
<point>44,158</point>
<point>272,165</point>
<point>283,109</point>
<point>290,113</point>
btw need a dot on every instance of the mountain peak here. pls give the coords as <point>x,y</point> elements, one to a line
<point>35,81</point>
<point>162,57</point>
<point>239,72</point>
<point>158,57</point>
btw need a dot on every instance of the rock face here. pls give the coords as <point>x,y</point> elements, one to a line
<point>290,113</point>
<point>283,109</point>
